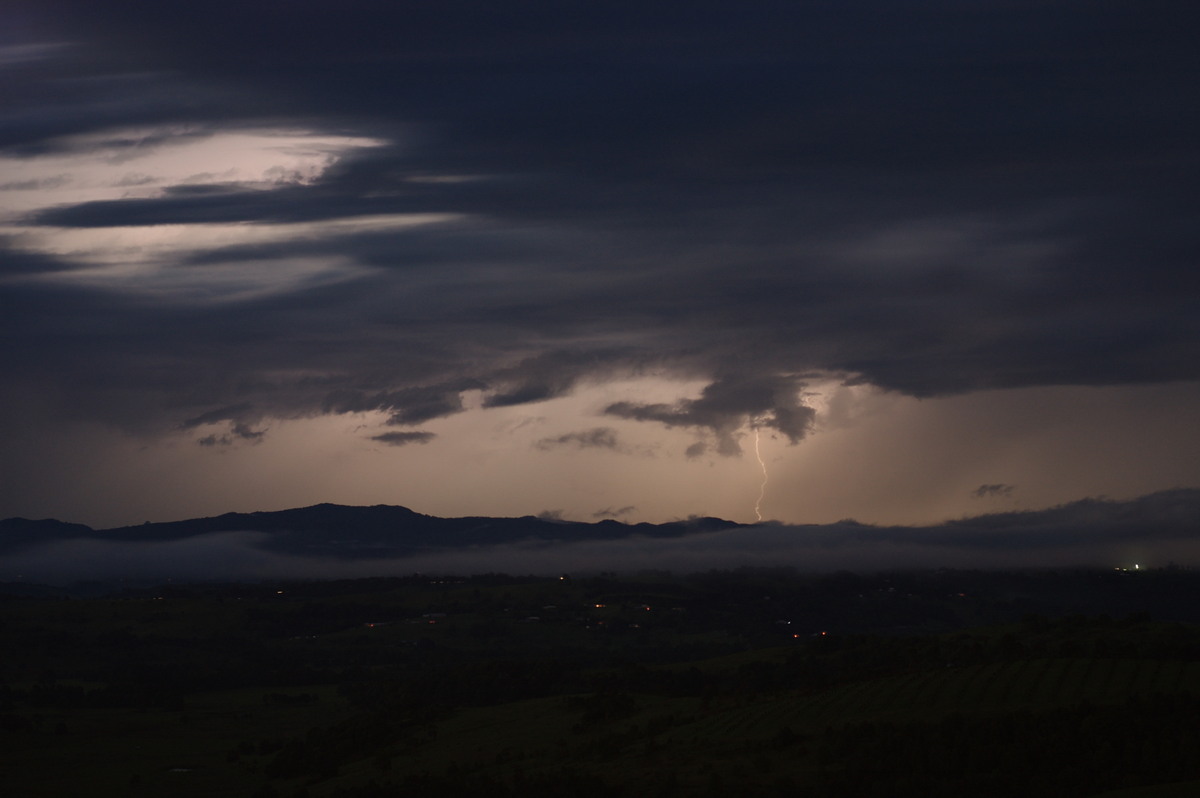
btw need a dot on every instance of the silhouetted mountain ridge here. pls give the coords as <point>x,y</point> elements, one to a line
<point>20,533</point>
<point>348,531</point>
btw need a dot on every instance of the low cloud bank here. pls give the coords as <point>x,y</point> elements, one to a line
<point>1152,531</point>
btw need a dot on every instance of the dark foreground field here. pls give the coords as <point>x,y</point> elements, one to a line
<point>735,683</point>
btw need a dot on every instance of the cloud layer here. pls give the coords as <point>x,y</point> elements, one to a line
<point>212,221</point>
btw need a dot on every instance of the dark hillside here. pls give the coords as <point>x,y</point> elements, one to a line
<point>331,530</point>
<point>749,682</point>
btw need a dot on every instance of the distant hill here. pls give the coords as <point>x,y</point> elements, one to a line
<point>332,530</point>
<point>17,534</point>
<point>328,540</point>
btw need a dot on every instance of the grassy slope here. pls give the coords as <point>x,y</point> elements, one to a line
<point>836,716</point>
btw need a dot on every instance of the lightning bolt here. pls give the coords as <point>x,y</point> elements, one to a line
<point>762,489</point>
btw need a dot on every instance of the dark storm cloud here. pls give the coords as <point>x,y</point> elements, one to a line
<point>595,438</point>
<point>227,203</point>
<point>230,413</point>
<point>405,407</point>
<point>729,404</point>
<point>403,438</point>
<point>238,432</point>
<point>27,263</point>
<point>552,373</point>
<point>929,197</point>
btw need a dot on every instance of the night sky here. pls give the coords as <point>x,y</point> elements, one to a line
<point>913,261</point>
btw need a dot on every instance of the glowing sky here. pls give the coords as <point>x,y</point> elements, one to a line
<point>481,258</point>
